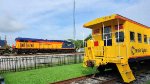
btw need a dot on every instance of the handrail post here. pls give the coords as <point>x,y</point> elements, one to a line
<point>103,30</point>
<point>106,48</point>
<point>106,41</point>
<point>118,38</point>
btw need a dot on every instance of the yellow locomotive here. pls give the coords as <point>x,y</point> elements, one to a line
<point>117,40</point>
<point>32,45</point>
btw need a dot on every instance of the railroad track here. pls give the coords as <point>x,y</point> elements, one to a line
<point>110,77</point>
<point>141,78</point>
<point>96,80</point>
<point>69,81</point>
<point>143,75</point>
<point>90,79</point>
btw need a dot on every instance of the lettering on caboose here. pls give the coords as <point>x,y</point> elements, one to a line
<point>137,50</point>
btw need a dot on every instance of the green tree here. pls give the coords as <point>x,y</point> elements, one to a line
<point>88,37</point>
<point>78,43</point>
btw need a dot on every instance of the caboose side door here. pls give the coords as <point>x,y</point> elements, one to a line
<point>107,36</point>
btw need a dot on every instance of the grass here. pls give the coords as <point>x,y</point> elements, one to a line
<point>47,75</point>
<point>148,82</point>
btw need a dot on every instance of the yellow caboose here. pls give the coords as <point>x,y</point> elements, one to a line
<point>117,40</point>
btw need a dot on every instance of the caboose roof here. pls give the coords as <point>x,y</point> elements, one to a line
<point>108,18</point>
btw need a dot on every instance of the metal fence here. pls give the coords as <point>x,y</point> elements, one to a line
<point>14,64</point>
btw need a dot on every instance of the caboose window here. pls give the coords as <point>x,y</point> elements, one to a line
<point>121,37</point>
<point>107,32</point>
<point>145,38</point>
<point>132,36</point>
<point>139,38</point>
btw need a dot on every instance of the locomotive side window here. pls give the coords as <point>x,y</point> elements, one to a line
<point>145,38</point>
<point>132,36</point>
<point>121,37</point>
<point>139,38</point>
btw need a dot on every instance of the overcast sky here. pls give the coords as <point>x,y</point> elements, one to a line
<point>52,19</point>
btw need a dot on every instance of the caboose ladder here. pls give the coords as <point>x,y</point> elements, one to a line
<point>125,72</point>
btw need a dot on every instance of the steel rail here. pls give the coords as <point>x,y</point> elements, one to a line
<point>72,80</point>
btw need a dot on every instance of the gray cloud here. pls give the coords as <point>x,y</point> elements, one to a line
<point>139,12</point>
<point>9,24</point>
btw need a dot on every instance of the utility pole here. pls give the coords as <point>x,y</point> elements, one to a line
<point>74,21</point>
<point>5,38</point>
<point>5,41</point>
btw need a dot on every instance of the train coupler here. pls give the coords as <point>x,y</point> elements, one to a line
<point>90,63</point>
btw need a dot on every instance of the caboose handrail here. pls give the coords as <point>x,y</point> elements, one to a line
<point>118,38</point>
<point>104,33</point>
<point>106,40</point>
<point>103,29</point>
